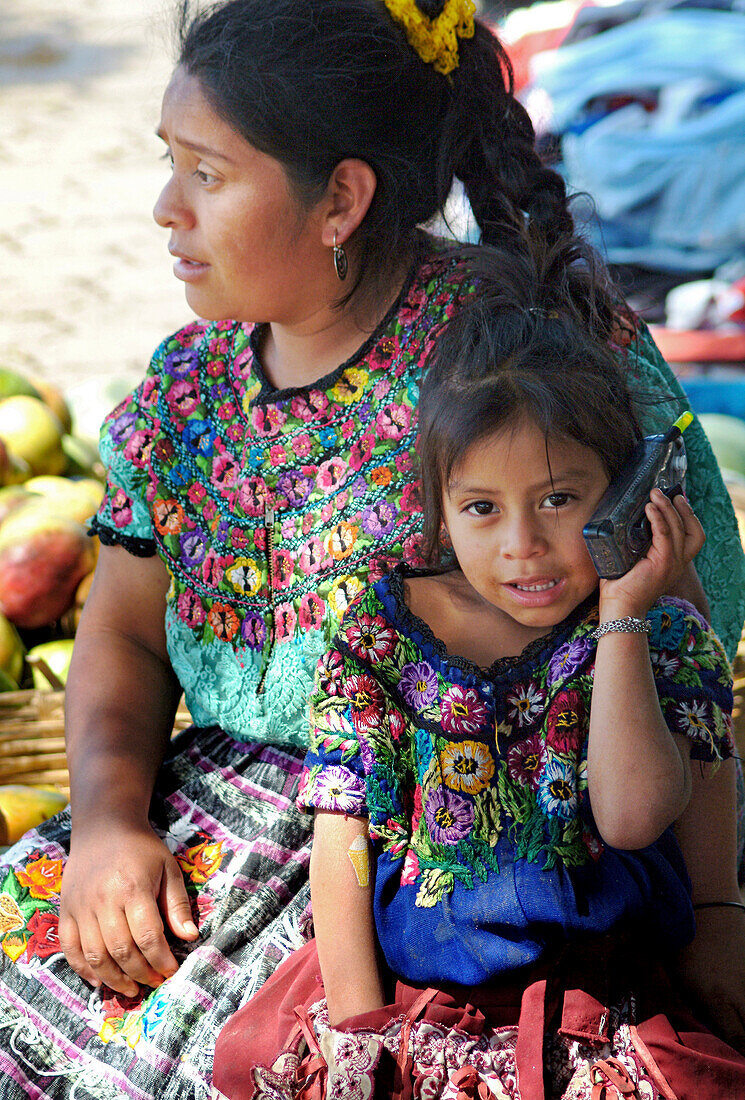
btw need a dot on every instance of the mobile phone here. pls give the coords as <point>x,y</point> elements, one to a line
<point>618,533</point>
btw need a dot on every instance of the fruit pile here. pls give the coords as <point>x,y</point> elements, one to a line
<point>50,486</point>
<point>51,483</point>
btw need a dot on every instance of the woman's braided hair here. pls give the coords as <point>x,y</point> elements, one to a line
<point>311,82</point>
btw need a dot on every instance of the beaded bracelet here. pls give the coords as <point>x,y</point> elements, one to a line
<point>719,905</point>
<point>629,625</point>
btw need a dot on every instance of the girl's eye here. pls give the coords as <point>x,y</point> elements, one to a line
<point>481,508</point>
<point>168,155</point>
<point>204,177</point>
<point>558,500</point>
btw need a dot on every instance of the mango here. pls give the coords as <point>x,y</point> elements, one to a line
<point>12,383</point>
<point>77,499</point>
<point>23,808</point>
<point>56,656</point>
<point>43,558</point>
<point>12,651</point>
<point>13,497</point>
<point>53,398</point>
<point>83,459</point>
<point>33,433</point>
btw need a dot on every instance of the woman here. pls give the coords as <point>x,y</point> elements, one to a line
<point>257,478</point>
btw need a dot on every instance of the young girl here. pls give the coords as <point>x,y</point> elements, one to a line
<point>515,740</point>
<point>257,478</point>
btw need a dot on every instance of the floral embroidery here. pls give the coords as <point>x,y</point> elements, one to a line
<point>448,815</point>
<point>42,876</point>
<point>446,767</point>
<point>461,710</point>
<point>271,509</point>
<point>466,766</point>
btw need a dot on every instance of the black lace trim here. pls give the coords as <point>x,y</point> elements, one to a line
<point>530,655</point>
<point>141,548</point>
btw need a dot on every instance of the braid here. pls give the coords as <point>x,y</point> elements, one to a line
<point>498,164</point>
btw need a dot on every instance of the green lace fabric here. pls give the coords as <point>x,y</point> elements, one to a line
<point>721,564</point>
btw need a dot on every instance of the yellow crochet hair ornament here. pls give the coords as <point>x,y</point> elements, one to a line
<point>435,40</point>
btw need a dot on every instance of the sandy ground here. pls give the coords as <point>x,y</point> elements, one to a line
<point>87,287</point>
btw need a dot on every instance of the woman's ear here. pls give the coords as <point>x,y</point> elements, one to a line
<point>348,196</point>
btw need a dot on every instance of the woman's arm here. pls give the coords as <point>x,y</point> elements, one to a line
<point>712,967</point>
<point>343,918</point>
<point>121,699</point>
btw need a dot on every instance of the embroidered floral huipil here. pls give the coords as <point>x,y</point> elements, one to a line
<point>475,785</point>
<point>270,509</point>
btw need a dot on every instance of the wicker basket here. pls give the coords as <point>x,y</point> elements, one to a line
<point>32,738</point>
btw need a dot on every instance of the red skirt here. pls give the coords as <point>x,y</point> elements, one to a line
<point>598,1023</point>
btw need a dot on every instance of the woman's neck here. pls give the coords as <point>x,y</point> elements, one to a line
<point>300,354</point>
<point>468,625</point>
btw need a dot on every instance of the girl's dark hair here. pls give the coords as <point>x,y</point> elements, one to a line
<point>310,82</point>
<point>527,343</point>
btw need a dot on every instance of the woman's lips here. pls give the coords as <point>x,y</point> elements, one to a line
<point>186,267</point>
<point>188,270</point>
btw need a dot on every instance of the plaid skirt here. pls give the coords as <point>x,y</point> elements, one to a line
<point>226,810</point>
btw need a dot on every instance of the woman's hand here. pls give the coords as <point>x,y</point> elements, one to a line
<point>118,886</point>
<point>119,705</point>
<point>677,536</point>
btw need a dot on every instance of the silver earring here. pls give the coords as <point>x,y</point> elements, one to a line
<point>341,264</point>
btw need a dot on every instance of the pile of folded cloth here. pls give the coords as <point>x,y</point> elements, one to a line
<point>642,106</point>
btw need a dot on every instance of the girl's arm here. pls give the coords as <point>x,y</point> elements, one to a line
<point>638,771</point>
<point>342,900</point>
<point>120,701</point>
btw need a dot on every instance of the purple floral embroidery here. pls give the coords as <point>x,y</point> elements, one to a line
<point>193,547</point>
<point>359,486</point>
<point>182,363</point>
<point>122,428</point>
<point>418,685</point>
<point>253,631</point>
<point>448,816</point>
<point>569,658</point>
<point>296,487</point>
<point>337,789</point>
<point>379,519</point>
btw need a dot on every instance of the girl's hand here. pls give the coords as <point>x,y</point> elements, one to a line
<point>677,536</point>
<point>114,889</point>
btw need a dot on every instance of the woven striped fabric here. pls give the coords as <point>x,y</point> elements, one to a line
<point>227,812</point>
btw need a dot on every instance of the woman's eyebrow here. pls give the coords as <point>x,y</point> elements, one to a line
<point>196,147</point>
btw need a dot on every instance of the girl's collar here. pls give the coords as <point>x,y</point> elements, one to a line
<point>530,655</point>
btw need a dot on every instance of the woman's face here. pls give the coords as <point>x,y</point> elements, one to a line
<point>244,246</point>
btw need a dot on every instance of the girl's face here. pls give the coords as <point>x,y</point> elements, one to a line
<point>516,527</point>
<point>244,246</point>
